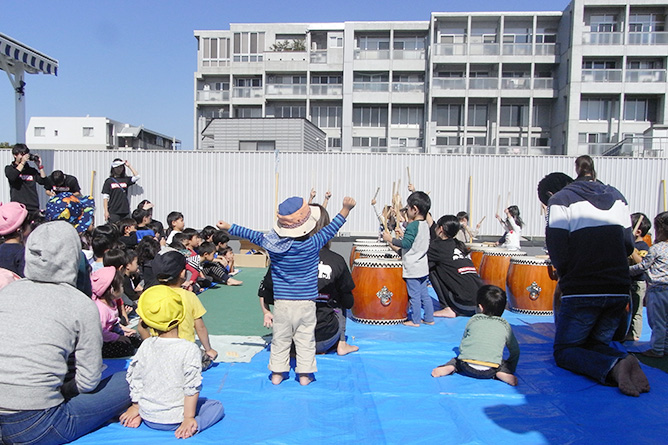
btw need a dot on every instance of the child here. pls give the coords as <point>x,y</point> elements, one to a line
<point>638,284</point>
<point>215,268</point>
<point>655,264</point>
<point>513,228</point>
<point>128,229</point>
<point>142,218</point>
<point>207,233</point>
<point>226,255</point>
<point>164,376</point>
<point>486,334</point>
<point>220,239</point>
<point>175,224</point>
<point>119,341</point>
<point>466,235</point>
<point>294,271</point>
<point>414,246</point>
<point>169,268</point>
<point>13,218</point>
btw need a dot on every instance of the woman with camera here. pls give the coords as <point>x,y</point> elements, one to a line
<point>22,177</point>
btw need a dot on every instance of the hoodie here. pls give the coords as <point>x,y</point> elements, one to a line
<point>43,319</point>
<point>588,237</point>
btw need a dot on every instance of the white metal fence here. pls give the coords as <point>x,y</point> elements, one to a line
<point>239,186</point>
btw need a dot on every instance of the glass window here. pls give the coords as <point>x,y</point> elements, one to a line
<point>477,115</point>
<point>88,132</point>
<point>407,115</point>
<point>449,115</point>
<point>597,109</point>
<point>41,132</point>
<point>514,115</point>
<point>369,116</point>
<point>640,110</point>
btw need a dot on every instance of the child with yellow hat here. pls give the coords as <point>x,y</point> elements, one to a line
<point>165,375</point>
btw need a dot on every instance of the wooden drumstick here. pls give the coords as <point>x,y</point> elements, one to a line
<point>92,182</point>
<point>508,201</point>
<point>498,205</point>
<point>376,195</point>
<point>408,171</point>
<point>483,218</point>
<point>635,228</point>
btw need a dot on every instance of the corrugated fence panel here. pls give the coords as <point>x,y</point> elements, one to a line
<point>240,187</point>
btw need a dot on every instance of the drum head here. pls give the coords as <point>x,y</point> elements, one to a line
<point>377,262</point>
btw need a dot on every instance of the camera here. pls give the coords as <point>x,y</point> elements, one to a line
<point>32,157</point>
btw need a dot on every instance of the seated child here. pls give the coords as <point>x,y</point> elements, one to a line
<point>132,287</point>
<point>117,259</point>
<point>169,268</point>
<point>119,341</point>
<point>165,376</point>
<point>220,240</point>
<point>128,229</point>
<point>175,224</point>
<point>294,271</point>
<point>215,268</point>
<point>207,233</point>
<point>486,334</point>
<point>143,218</point>
<point>13,219</point>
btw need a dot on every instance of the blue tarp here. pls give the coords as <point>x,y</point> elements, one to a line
<point>385,394</point>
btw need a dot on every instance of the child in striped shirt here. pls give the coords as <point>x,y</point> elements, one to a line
<point>294,270</point>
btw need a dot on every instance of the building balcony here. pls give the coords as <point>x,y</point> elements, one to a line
<point>601,75</point>
<point>516,83</point>
<point>327,90</point>
<point>484,49</point>
<point>285,56</point>
<point>277,89</point>
<point>648,38</point>
<point>247,92</point>
<point>543,83</point>
<point>213,96</point>
<point>645,75</point>
<point>319,56</point>
<point>450,49</point>
<point>448,83</point>
<point>517,49</point>
<point>371,87</point>
<point>408,87</point>
<point>547,49</point>
<point>408,54</point>
<point>484,83</point>
<point>363,54</point>
<point>602,38</point>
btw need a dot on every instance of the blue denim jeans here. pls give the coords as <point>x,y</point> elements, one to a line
<point>208,412</point>
<point>72,418</point>
<point>420,299</point>
<point>657,317</point>
<point>584,330</point>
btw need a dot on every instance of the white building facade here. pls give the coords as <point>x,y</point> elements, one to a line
<point>581,81</point>
<point>93,133</point>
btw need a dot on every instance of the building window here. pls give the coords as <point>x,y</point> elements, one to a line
<point>449,115</point>
<point>369,43</point>
<point>542,115</point>
<point>603,23</point>
<point>640,110</point>
<point>514,115</point>
<point>248,46</point>
<point>326,80</point>
<point>336,40</point>
<point>215,50</point>
<point>449,140</point>
<point>247,112</point>
<point>88,132</point>
<point>477,115</point>
<point>372,116</point>
<point>286,111</point>
<point>55,132</point>
<point>326,116</point>
<point>334,142</point>
<point>40,132</point>
<point>407,116</point>
<point>595,109</point>
<point>369,142</point>
<point>257,145</point>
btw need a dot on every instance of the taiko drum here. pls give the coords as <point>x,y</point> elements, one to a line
<point>380,291</point>
<point>477,251</point>
<point>367,247</point>
<point>530,285</point>
<point>494,265</point>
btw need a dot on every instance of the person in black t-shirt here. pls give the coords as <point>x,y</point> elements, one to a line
<point>22,177</point>
<point>115,191</point>
<point>59,182</point>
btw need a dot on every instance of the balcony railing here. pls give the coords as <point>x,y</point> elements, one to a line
<point>543,83</point>
<point>408,54</point>
<point>602,38</point>
<point>645,75</point>
<point>648,38</point>
<point>408,87</point>
<point>546,49</point>
<point>213,95</point>
<point>484,49</point>
<point>448,83</point>
<point>327,90</point>
<point>489,150</point>
<point>483,83</point>
<point>516,83</point>
<point>247,92</point>
<point>319,56</point>
<point>380,54</point>
<point>517,49</point>
<point>450,49</point>
<point>277,89</point>
<point>373,87</point>
<point>601,75</point>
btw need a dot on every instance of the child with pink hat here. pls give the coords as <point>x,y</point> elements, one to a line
<point>119,340</point>
<point>13,216</point>
<point>294,270</point>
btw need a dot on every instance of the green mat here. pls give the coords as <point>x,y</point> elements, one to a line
<point>235,310</point>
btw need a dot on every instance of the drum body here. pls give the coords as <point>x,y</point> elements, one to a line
<point>367,247</point>
<point>387,254</point>
<point>494,265</point>
<point>477,252</point>
<point>530,286</point>
<point>380,291</point>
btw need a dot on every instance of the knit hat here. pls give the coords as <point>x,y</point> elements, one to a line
<point>161,308</point>
<point>296,218</point>
<point>168,265</point>
<point>12,215</point>
<point>101,280</point>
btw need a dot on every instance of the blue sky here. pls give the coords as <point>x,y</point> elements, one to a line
<point>134,60</point>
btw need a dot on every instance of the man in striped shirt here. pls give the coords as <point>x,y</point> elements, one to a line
<point>294,270</point>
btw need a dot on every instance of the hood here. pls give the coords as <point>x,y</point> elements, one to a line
<point>52,253</point>
<point>600,195</point>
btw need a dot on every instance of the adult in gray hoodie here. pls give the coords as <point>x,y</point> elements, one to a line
<point>44,319</point>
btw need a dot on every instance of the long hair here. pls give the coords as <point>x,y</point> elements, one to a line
<point>117,172</point>
<point>584,166</point>
<point>661,227</point>
<point>451,226</point>
<point>322,222</point>
<point>515,214</point>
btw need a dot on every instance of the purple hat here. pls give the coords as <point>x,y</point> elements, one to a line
<point>101,280</point>
<point>296,218</point>
<point>12,215</point>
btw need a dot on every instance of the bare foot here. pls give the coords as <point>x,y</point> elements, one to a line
<point>277,378</point>
<point>446,313</point>
<point>233,282</point>
<point>507,378</point>
<point>305,379</point>
<point>411,324</point>
<point>430,323</point>
<point>621,374</point>
<point>442,371</point>
<point>344,348</point>
<point>638,376</point>
<point>651,353</point>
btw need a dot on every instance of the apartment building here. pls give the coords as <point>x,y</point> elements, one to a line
<point>584,80</point>
<point>94,133</point>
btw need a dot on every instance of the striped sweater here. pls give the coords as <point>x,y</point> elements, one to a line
<point>588,237</point>
<point>295,271</point>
